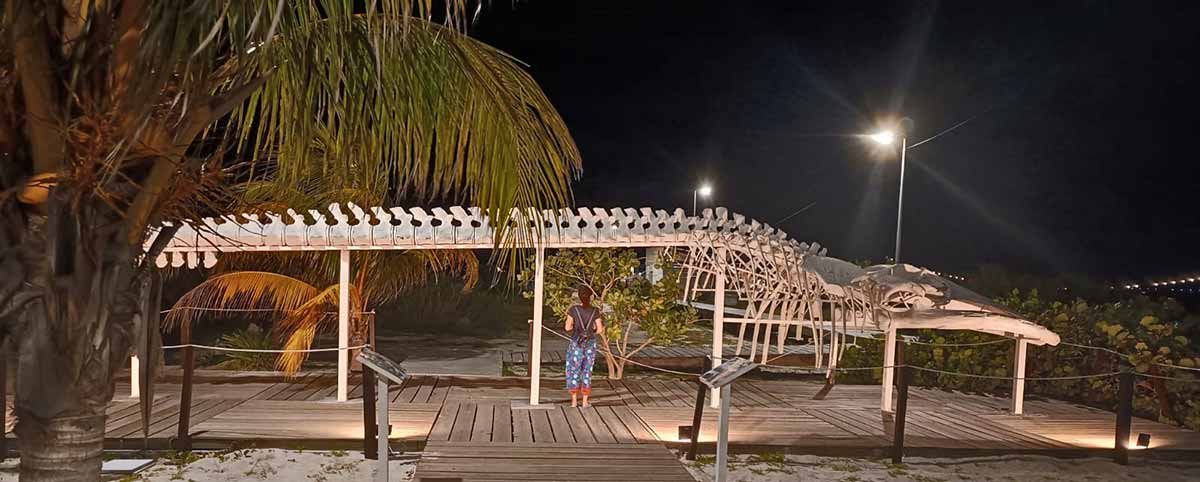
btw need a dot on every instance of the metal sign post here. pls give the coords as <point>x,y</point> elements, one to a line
<point>387,370</point>
<point>722,377</point>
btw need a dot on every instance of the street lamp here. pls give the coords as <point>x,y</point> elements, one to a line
<point>704,190</point>
<point>888,138</point>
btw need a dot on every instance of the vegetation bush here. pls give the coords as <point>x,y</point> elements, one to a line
<point>250,338</point>
<point>628,299</point>
<point>444,307</point>
<point>1152,333</point>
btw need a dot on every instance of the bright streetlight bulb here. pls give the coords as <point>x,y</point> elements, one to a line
<point>705,190</point>
<point>883,137</point>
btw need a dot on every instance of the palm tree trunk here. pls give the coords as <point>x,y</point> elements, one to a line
<point>60,410</point>
<point>60,449</point>
<point>70,344</point>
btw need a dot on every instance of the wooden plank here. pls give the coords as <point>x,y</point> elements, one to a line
<point>502,426</point>
<point>599,429</point>
<point>558,423</point>
<point>463,423</point>
<point>482,432</point>
<point>579,427</point>
<point>444,422</point>
<point>441,388</point>
<point>541,426</point>
<point>408,391</point>
<point>131,425</point>
<point>521,426</point>
<point>635,425</point>
<point>618,428</point>
<point>424,389</point>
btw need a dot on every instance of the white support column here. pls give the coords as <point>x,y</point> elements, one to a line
<point>343,382</point>
<point>535,351</point>
<point>718,321</point>
<point>1018,390</point>
<point>889,361</point>
<point>135,388</point>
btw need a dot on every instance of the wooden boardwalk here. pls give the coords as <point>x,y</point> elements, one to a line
<point>776,414</point>
<point>480,461</point>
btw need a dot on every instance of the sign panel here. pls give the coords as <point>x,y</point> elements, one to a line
<point>727,372</point>
<point>382,365</point>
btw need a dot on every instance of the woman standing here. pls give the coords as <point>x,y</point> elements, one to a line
<point>584,323</point>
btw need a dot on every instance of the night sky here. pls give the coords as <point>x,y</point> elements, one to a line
<point>1079,154</point>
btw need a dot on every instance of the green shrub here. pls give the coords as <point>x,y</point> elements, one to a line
<point>1135,327</point>
<point>249,338</point>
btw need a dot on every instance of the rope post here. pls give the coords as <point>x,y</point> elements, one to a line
<point>183,440</point>
<point>370,429</point>
<point>698,415</point>
<point>901,410</point>
<point>1124,416</point>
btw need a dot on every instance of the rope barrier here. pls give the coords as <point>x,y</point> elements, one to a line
<point>255,350</point>
<point>1176,379</point>
<point>1028,379</point>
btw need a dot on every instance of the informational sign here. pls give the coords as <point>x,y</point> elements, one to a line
<point>382,365</point>
<point>727,372</point>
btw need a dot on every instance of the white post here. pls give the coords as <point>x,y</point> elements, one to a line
<point>382,427</point>
<point>1018,391</point>
<point>535,351</point>
<point>135,388</point>
<point>889,362</point>
<point>718,321</point>
<point>343,390</point>
<point>723,434</point>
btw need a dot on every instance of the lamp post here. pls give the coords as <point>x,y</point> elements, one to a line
<point>888,138</point>
<point>704,190</point>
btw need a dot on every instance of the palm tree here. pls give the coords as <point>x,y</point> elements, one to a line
<point>119,115</point>
<point>305,300</point>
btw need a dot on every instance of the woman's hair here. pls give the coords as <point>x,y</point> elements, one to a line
<point>584,290</point>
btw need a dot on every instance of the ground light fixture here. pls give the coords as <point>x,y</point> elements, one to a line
<point>1143,440</point>
<point>685,432</point>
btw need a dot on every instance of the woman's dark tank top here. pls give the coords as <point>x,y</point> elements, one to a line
<point>585,322</point>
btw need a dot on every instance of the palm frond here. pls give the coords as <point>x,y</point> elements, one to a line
<point>240,290</point>
<point>427,114</point>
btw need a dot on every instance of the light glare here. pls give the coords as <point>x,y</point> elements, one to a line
<point>883,137</point>
<point>705,190</point>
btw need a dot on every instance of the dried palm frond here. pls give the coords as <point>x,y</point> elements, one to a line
<point>251,292</point>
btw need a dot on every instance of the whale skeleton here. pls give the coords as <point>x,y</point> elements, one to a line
<point>783,284</point>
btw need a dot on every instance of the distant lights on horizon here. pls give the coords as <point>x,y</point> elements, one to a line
<point>948,275</point>
<point>1165,283</point>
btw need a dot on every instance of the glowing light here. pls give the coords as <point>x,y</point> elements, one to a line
<point>883,137</point>
<point>705,190</point>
